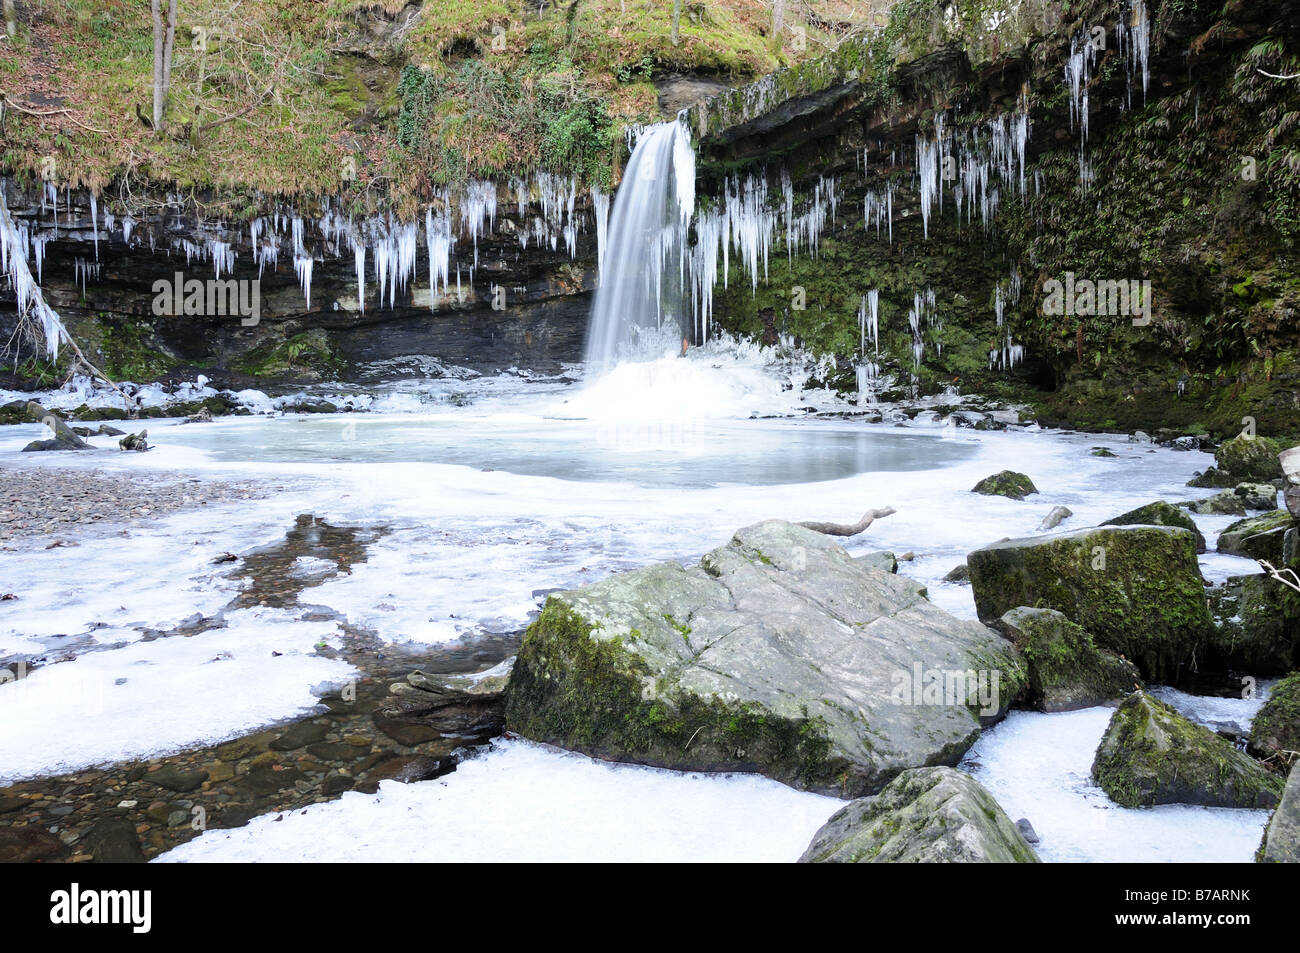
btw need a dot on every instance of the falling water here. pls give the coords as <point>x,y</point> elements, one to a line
<point>645,259</point>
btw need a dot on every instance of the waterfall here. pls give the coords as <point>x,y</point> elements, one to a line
<point>645,260</point>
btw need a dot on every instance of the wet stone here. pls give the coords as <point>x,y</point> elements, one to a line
<point>179,779</point>
<point>299,736</point>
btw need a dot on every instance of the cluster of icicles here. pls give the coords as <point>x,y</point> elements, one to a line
<point>1133,40</point>
<point>390,245</point>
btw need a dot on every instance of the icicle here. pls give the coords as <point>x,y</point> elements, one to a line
<point>302,266</point>
<point>94,222</point>
<point>600,204</point>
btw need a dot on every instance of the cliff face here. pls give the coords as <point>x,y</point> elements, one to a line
<point>1187,178</point>
<point>523,304</point>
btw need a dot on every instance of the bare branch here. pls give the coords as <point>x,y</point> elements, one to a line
<point>846,529</point>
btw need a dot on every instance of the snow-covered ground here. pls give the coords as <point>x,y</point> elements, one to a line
<point>488,502</point>
<point>528,802</point>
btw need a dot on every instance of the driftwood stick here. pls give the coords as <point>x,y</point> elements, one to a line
<point>845,529</point>
<point>1281,575</point>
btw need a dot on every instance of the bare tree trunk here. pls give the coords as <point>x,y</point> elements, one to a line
<point>168,46</point>
<point>156,7</point>
<point>11,18</point>
<point>844,529</point>
<point>778,16</point>
<point>677,20</point>
<point>162,59</point>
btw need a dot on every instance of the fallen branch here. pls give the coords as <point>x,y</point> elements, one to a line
<point>1275,75</point>
<point>853,529</point>
<point>1281,575</point>
<point>26,109</point>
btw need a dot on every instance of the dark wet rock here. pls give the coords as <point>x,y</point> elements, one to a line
<point>1292,497</point>
<point>1276,729</point>
<point>106,431</point>
<point>777,653</point>
<point>26,845</point>
<point>1027,831</point>
<point>1008,483</point>
<point>311,405</point>
<point>1213,479</point>
<point>406,734</point>
<point>959,574</point>
<point>65,438</point>
<point>336,751</point>
<point>1256,625</point>
<point>1160,513</point>
<point>299,736</point>
<point>113,841</point>
<point>1150,754</point>
<point>925,815</point>
<point>1066,670</point>
<point>233,815</point>
<point>176,778</point>
<point>1281,843</point>
<point>1258,537</point>
<point>1136,589</point>
<point>466,706</point>
<point>8,804</point>
<point>336,784</point>
<point>270,778</point>
<point>1226,503</point>
<point>1102,452</point>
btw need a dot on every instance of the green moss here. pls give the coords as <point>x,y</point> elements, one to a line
<point>307,352</point>
<point>575,687</point>
<point>1276,729</point>
<point>1151,754</point>
<point>1008,483</point>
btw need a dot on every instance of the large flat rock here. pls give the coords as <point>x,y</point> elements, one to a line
<point>778,653</point>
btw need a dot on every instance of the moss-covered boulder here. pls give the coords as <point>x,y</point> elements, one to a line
<point>1008,483</point>
<point>1136,589</point>
<point>1276,729</point>
<point>1150,754</point>
<point>778,653</point>
<point>1213,478</point>
<point>1066,670</point>
<point>1252,459</point>
<point>1282,835</point>
<point>926,815</point>
<point>1256,625</point>
<point>1257,537</point>
<point>1160,513</point>
<point>1226,503</point>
